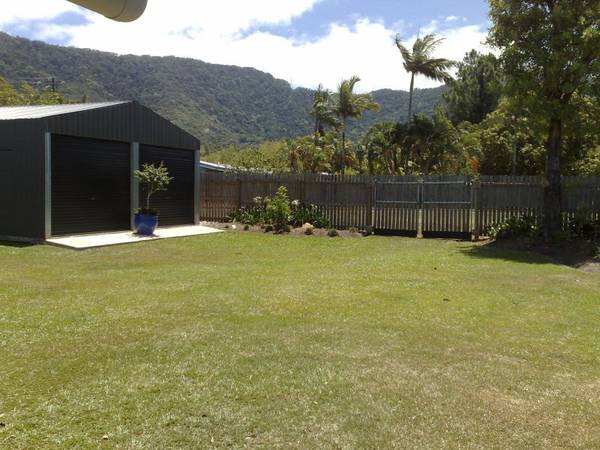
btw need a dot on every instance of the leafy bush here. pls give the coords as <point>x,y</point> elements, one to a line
<point>581,226</point>
<point>277,210</point>
<point>515,227</point>
<point>254,215</point>
<point>333,233</point>
<point>308,214</point>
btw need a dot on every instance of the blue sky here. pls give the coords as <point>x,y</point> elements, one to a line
<point>305,42</point>
<point>411,14</point>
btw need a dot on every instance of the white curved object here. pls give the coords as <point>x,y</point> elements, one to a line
<point>119,10</point>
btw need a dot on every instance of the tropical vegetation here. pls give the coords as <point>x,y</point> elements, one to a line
<point>279,212</point>
<point>25,94</point>
<point>420,61</point>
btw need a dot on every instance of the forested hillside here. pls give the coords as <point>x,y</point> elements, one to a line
<point>219,104</point>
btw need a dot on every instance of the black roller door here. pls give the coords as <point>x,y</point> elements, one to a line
<point>90,185</point>
<point>176,205</point>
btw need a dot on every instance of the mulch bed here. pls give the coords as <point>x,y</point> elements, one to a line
<point>318,232</point>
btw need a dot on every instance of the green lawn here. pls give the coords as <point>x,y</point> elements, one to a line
<point>251,340</point>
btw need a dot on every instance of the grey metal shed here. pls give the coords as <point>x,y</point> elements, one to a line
<point>68,169</point>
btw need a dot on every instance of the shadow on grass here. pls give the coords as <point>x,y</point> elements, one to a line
<point>16,244</point>
<point>489,251</point>
<point>574,254</point>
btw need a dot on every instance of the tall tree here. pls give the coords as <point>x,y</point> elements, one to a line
<point>350,105</point>
<point>549,54</point>
<point>476,90</point>
<point>419,61</point>
<point>323,111</point>
<point>381,144</point>
<point>26,95</point>
<point>9,96</point>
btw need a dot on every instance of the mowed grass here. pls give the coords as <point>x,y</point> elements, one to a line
<point>247,340</point>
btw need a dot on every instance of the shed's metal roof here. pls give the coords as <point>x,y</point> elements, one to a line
<point>39,112</point>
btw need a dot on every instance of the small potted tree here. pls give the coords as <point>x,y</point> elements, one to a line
<point>152,179</point>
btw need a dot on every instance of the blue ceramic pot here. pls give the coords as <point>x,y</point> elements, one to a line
<point>145,224</point>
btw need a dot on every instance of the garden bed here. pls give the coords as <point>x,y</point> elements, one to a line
<point>298,231</point>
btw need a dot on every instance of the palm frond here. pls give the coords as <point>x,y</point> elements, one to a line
<point>405,52</point>
<point>426,45</point>
<point>437,69</point>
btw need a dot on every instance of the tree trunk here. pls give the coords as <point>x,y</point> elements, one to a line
<point>552,188</point>
<point>343,162</point>
<point>410,97</point>
<point>343,153</point>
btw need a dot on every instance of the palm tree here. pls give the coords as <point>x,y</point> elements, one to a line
<point>323,112</point>
<point>420,62</point>
<point>349,105</point>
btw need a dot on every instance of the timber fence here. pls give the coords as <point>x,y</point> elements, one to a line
<point>410,204</point>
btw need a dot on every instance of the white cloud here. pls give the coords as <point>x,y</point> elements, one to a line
<point>224,32</point>
<point>26,10</point>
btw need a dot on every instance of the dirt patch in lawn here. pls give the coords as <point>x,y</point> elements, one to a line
<point>316,232</point>
<point>583,255</point>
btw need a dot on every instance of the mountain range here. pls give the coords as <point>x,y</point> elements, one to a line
<point>221,105</point>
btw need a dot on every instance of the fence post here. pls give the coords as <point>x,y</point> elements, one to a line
<point>239,181</point>
<point>420,212</point>
<point>371,193</point>
<point>476,209</point>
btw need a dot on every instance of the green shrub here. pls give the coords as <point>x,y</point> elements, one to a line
<point>278,210</point>
<point>268,228</point>
<point>515,227</point>
<point>308,214</point>
<point>581,226</point>
<point>249,216</point>
<point>333,233</point>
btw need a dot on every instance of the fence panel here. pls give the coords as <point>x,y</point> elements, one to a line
<point>396,204</point>
<point>581,197</point>
<point>447,204</point>
<point>502,197</point>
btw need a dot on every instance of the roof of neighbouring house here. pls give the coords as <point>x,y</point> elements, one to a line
<point>41,111</point>
<point>213,166</point>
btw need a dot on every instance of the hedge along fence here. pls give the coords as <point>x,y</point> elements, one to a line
<point>429,204</point>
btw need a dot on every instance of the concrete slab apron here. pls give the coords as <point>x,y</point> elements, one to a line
<point>82,242</point>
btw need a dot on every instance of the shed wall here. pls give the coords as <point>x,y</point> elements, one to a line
<point>22,179</point>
